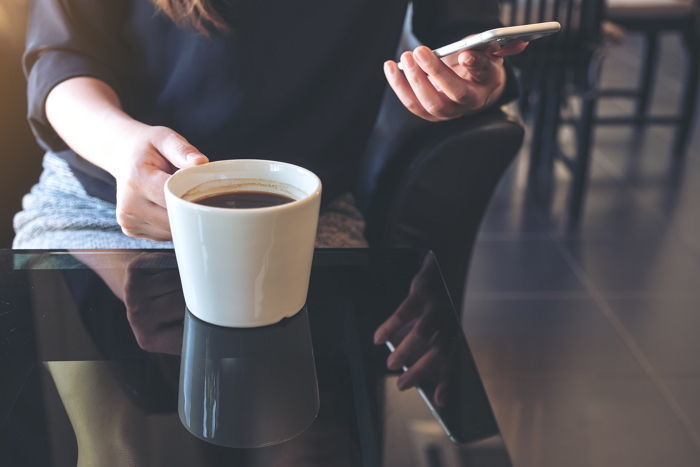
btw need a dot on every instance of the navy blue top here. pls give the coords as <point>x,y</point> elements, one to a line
<point>245,93</point>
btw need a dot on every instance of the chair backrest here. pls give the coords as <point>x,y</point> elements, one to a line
<point>580,19</point>
<point>547,62</point>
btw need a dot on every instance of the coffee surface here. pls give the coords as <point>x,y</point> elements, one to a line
<point>243,200</point>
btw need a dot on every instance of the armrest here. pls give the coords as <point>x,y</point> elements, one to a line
<point>428,184</point>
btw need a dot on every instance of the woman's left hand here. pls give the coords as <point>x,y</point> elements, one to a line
<point>459,84</point>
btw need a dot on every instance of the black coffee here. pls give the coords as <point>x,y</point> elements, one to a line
<point>244,200</point>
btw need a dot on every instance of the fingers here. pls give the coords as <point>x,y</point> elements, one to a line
<point>442,89</point>
<point>423,369</point>
<point>440,395</point>
<point>398,321</point>
<point>153,189</point>
<point>413,345</point>
<point>479,67</point>
<point>176,149</point>
<point>453,85</point>
<point>513,48</point>
<point>151,156</point>
<point>398,82</point>
<point>435,103</point>
<point>141,218</point>
<point>417,93</point>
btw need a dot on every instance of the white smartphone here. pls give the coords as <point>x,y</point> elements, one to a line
<point>495,39</point>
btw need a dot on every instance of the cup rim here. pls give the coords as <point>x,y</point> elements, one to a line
<point>297,202</point>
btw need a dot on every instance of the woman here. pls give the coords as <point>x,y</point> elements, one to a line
<point>122,94</point>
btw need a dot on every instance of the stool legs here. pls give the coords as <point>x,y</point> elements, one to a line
<point>690,95</point>
<point>584,138</point>
<point>647,76</point>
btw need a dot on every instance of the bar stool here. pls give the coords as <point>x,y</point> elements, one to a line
<point>651,17</point>
<point>552,71</point>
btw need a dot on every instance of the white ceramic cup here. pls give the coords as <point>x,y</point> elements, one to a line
<point>244,267</point>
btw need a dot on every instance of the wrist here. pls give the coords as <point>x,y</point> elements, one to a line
<point>117,130</point>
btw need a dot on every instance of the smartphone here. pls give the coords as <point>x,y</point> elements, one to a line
<point>495,39</point>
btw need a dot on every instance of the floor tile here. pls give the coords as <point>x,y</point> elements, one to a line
<point>589,422</point>
<point>544,337</point>
<point>665,330</point>
<point>684,392</point>
<point>634,266</point>
<point>526,265</point>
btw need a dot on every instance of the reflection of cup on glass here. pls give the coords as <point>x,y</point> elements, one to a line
<point>244,267</point>
<point>247,388</point>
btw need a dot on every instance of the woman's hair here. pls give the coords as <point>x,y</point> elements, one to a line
<point>199,14</point>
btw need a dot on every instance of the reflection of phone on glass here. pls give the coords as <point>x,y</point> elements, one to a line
<point>496,39</point>
<point>428,401</point>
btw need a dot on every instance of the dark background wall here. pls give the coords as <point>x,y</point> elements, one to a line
<point>20,157</point>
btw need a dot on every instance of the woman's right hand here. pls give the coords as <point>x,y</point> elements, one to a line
<point>88,115</point>
<point>144,160</point>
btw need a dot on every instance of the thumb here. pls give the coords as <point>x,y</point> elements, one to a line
<point>177,150</point>
<point>478,65</point>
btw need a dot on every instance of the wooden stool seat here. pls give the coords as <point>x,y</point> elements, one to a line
<point>624,10</point>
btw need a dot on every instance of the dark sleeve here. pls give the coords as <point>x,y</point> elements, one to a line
<point>65,39</point>
<point>440,22</point>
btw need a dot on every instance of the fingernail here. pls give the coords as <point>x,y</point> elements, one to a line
<point>388,68</point>
<point>192,157</point>
<point>408,60</point>
<point>401,384</point>
<point>419,54</point>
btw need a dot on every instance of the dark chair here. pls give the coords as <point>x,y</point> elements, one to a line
<point>428,184</point>
<point>562,69</point>
<point>553,70</point>
<point>650,18</point>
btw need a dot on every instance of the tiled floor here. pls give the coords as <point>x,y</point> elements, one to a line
<point>588,341</point>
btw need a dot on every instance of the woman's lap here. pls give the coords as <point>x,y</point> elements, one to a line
<point>59,214</point>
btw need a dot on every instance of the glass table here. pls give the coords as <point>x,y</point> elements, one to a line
<point>103,365</point>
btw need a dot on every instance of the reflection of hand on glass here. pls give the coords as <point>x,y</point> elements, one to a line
<point>155,306</point>
<point>152,295</point>
<point>415,329</point>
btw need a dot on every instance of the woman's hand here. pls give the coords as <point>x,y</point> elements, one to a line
<point>88,115</point>
<point>459,84</point>
<point>423,341</point>
<point>148,155</point>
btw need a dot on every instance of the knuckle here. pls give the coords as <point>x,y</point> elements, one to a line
<point>453,112</point>
<point>129,232</point>
<point>125,214</point>
<point>464,98</point>
<point>124,220</point>
<point>413,107</point>
<point>437,68</point>
<point>161,130</point>
<point>411,76</point>
<point>131,182</point>
<point>435,108</point>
